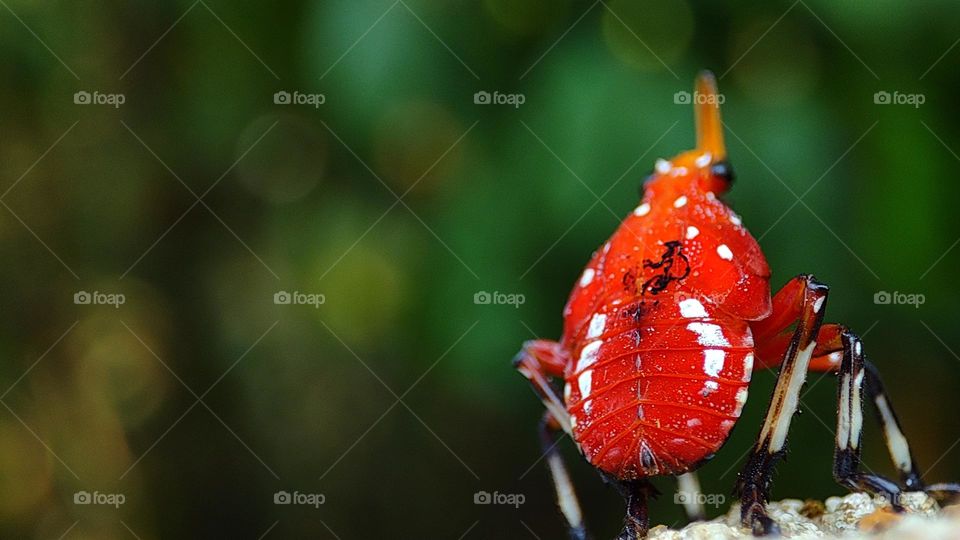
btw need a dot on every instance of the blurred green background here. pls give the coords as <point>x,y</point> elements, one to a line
<point>200,398</point>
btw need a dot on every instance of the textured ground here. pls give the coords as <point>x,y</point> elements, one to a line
<point>850,517</point>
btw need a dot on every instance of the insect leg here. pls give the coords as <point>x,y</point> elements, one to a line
<point>846,456</point>
<point>859,374</point>
<point>637,521</point>
<point>538,361</point>
<point>753,483</point>
<point>688,488</point>
<point>566,495</point>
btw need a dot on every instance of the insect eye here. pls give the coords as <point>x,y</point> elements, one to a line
<point>723,170</point>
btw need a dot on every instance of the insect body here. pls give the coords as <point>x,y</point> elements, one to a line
<point>662,332</point>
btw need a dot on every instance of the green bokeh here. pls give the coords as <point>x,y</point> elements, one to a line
<point>494,198</point>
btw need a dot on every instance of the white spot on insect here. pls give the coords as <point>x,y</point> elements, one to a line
<point>709,335</point>
<point>726,425</point>
<point>681,200</point>
<point>693,422</point>
<point>691,308</point>
<point>606,248</point>
<point>818,303</point>
<point>735,219</point>
<point>679,171</point>
<point>857,348</point>
<point>692,232</point>
<point>710,387</point>
<point>713,362</point>
<point>642,210</point>
<point>584,382</point>
<point>703,160</point>
<point>567,389</point>
<point>587,277</point>
<point>662,166</point>
<point>587,406</point>
<point>588,355</point>
<point>724,252</point>
<point>741,401</point>
<point>573,421</point>
<point>747,367</point>
<point>597,324</point>
<point>711,196</point>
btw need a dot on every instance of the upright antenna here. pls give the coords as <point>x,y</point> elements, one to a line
<point>706,106</point>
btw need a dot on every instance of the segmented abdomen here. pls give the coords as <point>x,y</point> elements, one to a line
<point>655,387</point>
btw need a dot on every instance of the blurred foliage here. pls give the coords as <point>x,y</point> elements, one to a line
<point>398,199</point>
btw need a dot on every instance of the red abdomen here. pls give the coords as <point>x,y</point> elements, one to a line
<point>655,388</point>
<point>656,329</point>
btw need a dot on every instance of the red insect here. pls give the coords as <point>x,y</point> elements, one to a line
<point>662,333</point>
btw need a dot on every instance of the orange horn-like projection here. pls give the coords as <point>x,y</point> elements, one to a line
<point>706,105</point>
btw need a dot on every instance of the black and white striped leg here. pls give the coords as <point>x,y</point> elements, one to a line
<point>690,494</point>
<point>896,442</point>
<point>638,494</point>
<point>753,483</point>
<point>865,376</point>
<point>846,456</point>
<point>566,496</point>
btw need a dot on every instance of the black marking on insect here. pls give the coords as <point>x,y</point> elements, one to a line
<point>659,282</point>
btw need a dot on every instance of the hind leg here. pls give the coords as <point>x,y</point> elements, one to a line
<point>566,496</point>
<point>856,377</point>
<point>835,345</point>
<point>539,361</point>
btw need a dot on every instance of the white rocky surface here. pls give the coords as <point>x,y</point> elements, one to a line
<point>851,517</point>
